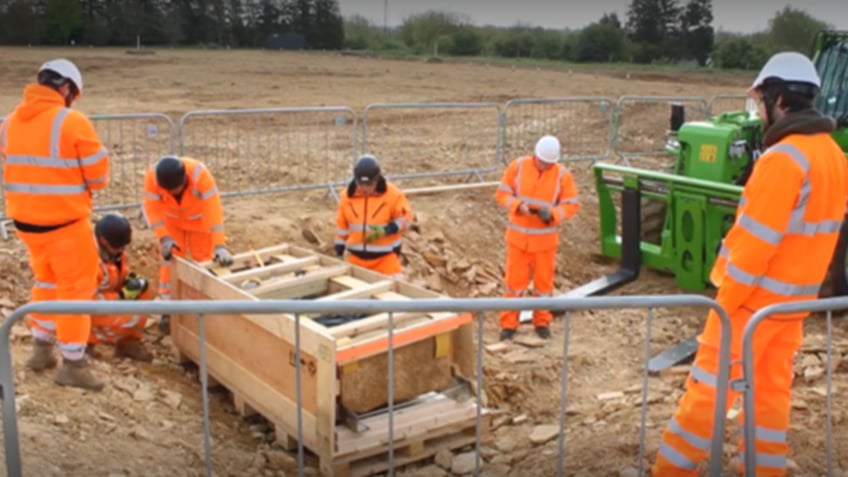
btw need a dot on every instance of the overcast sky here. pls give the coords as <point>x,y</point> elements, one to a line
<point>730,15</point>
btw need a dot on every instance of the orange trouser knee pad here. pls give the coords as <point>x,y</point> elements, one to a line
<point>520,265</point>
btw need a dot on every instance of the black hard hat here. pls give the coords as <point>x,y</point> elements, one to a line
<point>115,228</point>
<point>170,172</point>
<point>366,170</point>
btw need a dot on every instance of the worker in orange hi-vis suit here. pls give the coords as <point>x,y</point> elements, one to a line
<point>117,282</point>
<point>52,161</point>
<point>183,207</point>
<point>792,208</point>
<point>539,194</point>
<point>372,216</point>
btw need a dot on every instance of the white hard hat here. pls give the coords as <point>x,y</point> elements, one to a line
<point>66,69</point>
<point>788,66</point>
<point>547,149</point>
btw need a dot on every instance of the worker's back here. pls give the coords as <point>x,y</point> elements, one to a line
<point>782,245</point>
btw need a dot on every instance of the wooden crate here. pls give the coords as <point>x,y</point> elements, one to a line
<point>344,366</point>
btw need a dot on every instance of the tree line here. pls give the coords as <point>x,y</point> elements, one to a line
<point>653,31</point>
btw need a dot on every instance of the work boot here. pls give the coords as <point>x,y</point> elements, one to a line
<point>77,373</point>
<point>165,324</point>
<point>133,349</point>
<point>507,334</point>
<point>543,332</point>
<point>42,356</point>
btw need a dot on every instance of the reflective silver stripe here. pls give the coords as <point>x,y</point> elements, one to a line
<point>96,331</point>
<point>342,232</point>
<point>771,460</point>
<point>156,225</point>
<point>797,224</point>
<point>132,323</point>
<point>72,347</point>
<point>675,457</point>
<point>357,228</point>
<point>94,158</point>
<point>570,201</point>
<point>99,180</point>
<point>696,441</point>
<point>374,248</point>
<point>47,325</point>
<point>45,189</point>
<point>218,228</point>
<point>165,285</point>
<point>164,296</point>
<point>339,241</point>
<point>104,283</point>
<point>761,231</point>
<point>532,201</point>
<point>702,376</point>
<point>195,216</point>
<point>56,132</point>
<point>555,200</point>
<point>196,174</point>
<point>775,286</point>
<point>505,188</point>
<point>165,263</point>
<point>209,193</point>
<point>44,285</point>
<point>770,435</point>
<point>529,231</point>
<point>3,126</point>
<point>41,161</point>
<point>152,196</point>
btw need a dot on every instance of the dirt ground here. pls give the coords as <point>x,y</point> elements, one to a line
<point>148,419</point>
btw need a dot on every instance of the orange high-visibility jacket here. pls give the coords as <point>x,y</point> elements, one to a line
<point>787,225</point>
<point>199,209</point>
<point>554,188</point>
<point>356,213</point>
<point>111,277</point>
<point>52,160</point>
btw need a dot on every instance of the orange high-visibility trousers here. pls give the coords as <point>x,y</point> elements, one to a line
<point>686,440</point>
<point>195,245</point>
<point>114,328</point>
<point>520,265</point>
<point>389,264</point>
<point>65,264</point>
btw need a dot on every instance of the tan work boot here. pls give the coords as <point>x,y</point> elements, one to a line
<point>42,356</point>
<point>133,349</point>
<point>77,373</point>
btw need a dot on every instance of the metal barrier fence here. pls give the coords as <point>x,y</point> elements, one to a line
<point>418,140</point>
<point>134,141</point>
<point>642,123</point>
<point>255,151</point>
<point>11,440</point>
<point>747,384</point>
<point>724,103</point>
<point>583,125</point>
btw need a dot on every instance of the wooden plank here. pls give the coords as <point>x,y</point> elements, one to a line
<point>363,291</point>
<point>247,259</point>
<point>310,283</point>
<point>261,273</point>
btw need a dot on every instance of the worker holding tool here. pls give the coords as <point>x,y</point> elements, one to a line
<point>792,207</point>
<point>371,219</point>
<point>116,282</point>
<point>52,162</point>
<point>183,207</point>
<point>539,194</point>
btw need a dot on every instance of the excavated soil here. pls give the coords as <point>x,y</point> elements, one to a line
<point>148,419</point>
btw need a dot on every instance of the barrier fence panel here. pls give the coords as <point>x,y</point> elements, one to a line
<point>253,151</point>
<point>134,141</point>
<point>747,384</point>
<point>642,125</point>
<point>726,103</point>
<point>433,140</point>
<point>288,315</point>
<point>583,125</point>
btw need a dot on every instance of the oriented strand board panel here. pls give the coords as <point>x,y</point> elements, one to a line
<point>344,358</point>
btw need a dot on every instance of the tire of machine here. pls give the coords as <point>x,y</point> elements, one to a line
<point>836,281</point>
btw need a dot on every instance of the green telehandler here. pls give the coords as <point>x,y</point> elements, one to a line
<point>674,222</point>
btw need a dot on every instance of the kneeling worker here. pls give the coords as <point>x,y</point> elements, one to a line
<point>117,282</point>
<point>371,219</point>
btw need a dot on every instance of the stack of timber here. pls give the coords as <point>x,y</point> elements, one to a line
<point>344,359</point>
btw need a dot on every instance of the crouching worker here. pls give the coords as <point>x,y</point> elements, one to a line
<point>117,282</point>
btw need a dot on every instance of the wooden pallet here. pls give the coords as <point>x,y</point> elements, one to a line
<point>343,366</point>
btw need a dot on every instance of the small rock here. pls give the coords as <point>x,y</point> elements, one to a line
<point>496,470</point>
<point>443,458</point>
<point>61,419</point>
<point>519,419</point>
<point>464,463</point>
<point>140,434</point>
<point>280,460</point>
<point>542,434</point>
<point>143,394</point>
<point>105,416</point>
<point>172,398</point>
<point>628,472</point>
